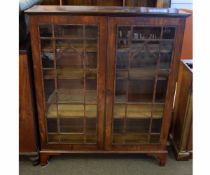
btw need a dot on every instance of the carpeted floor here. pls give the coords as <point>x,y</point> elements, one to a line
<point>107,165</point>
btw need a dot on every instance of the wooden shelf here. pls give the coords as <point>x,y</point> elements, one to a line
<point>138,111</point>
<point>73,96</point>
<point>142,73</point>
<point>68,38</point>
<point>135,138</point>
<point>70,73</point>
<point>72,138</point>
<point>72,111</point>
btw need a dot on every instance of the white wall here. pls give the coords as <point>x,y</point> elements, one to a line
<point>181,4</point>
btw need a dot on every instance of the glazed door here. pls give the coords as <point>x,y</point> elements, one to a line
<point>70,73</point>
<point>140,81</point>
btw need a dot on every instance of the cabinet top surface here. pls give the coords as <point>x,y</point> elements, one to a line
<point>107,10</point>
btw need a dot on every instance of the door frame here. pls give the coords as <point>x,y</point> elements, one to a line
<point>34,22</point>
<point>150,21</point>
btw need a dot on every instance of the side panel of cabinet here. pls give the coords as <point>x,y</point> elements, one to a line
<point>27,134</point>
<point>69,54</point>
<point>143,55</point>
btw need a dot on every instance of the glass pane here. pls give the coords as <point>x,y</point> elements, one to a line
<point>46,45</point>
<point>91,60</point>
<point>122,74</point>
<point>69,46</point>
<point>91,84</point>
<point>49,90</point>
<point>71,125</point>
<point>169,32</point>
<point>53,138</point>
<point>91,118</point>
<point>161,90</point>
<point>135,125</point>
<point>130,139</point>
<point>91,125</point>
<point>120,90</point>
<point>156,125</point>
<point>155,139</point>
<point>136,138</point>
<point>140,33</point>
<point>70,84</point>
<point>49,74</point>
<point>141,82</point>
<point>165,60</point>
<point>124,32</point>
<point>142,58</point>
<point>47,59</point>
<point>91,45</point>
<point>69,31</point>
<point>45,30</point>
<point>139,111</point>
<point>72,138</point>
<point>158,110</point>
<point>52,110</point>
<point>140,91</point>
<point>91,31</point>
<point>69,59</point>
<point>118,125</point>
<point>119,111</point>
<point>122,60</point>
<point>91,111</point>
<point>52,125</point>
<point>143,74</point>
<point>69,62</point>
<point>70,110</point>
<point>91,138</point>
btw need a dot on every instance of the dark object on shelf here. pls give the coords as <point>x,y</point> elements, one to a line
<point>28,142</point>
<point>98,94</point>
<point>181,135</point>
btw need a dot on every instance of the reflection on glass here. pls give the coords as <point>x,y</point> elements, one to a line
<point>69,31</point>
<point>47,59</point>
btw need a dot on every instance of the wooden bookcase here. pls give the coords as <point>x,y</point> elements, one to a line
<point>105,78</point>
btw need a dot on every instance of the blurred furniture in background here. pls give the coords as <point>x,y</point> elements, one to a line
<point>187,52</point>
<point>182,118</point>
<point>28,142</point>
<point>27,126</point>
